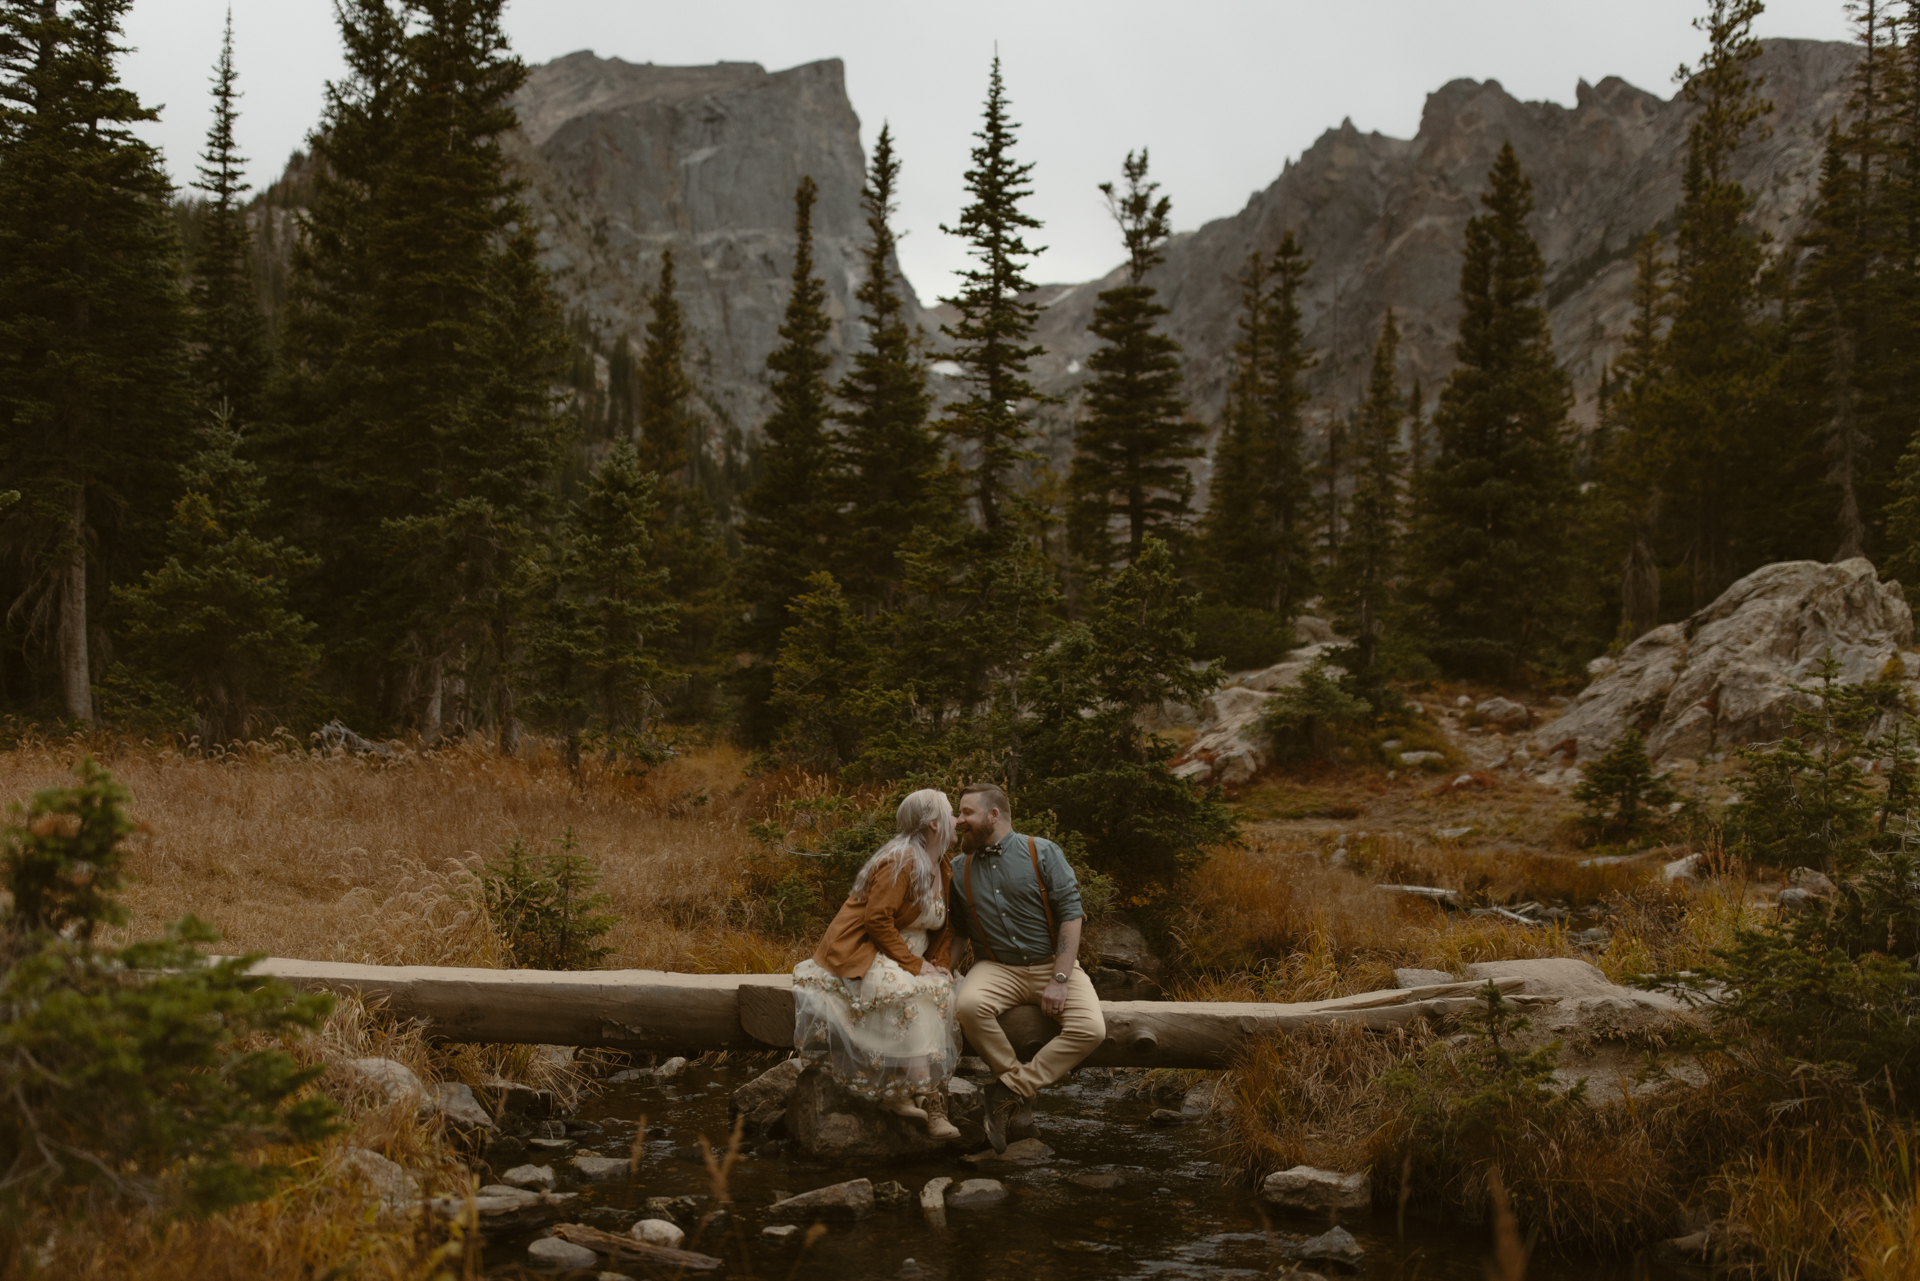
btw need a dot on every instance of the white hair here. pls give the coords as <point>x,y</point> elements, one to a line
<point>923,828</point>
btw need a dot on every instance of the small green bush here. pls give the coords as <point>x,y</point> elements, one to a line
<point>548,910</point>
<point>122,1068</point>
<point>1304,720</point>
<point>1619,795</point>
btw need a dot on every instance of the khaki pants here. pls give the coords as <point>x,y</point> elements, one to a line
<point>991,988</point>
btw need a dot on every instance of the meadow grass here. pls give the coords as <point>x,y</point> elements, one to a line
<point>298,854</point>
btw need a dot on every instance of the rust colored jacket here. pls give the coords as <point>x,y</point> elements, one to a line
<point>870,923</point>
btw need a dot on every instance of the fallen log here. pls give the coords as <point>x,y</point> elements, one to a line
<point>621,1249</point>
<point>652,1011</point>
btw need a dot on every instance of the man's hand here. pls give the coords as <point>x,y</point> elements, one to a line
<point>1053,999</point>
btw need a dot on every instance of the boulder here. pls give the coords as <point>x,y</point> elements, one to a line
<point>828,1122</point>
<point>551,1254</point>
<point>933,1201</point>
<point>1116,942</point>
<point>850,1200</point>
<point>1794,899</point>
<point>1815,883</point>
<point>1722,677</point>
<point>1407,979</point>
<point>1336,1247</point>
<point>658,1232</point>
<point>529,1176</point>
<point>504,1210</point>
<point>391,1080</point>
<point>511,1098</point>
<point>976,1194</point>
<point>1503,712</point>
<point>771,1089</point>
<point>455,1105</point>
<point>1229,747</point>
<point>1305,1188</point>
<point>601,1169</point>
<point>397,1189</point>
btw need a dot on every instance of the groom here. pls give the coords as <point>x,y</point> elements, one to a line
<point>1017,899</point>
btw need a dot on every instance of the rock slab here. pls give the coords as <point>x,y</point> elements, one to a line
<point>1306,1188</point>
<point>850,1200</point>
<point>1722,678</point>
<point>976,1194</point>
<point>551,1254</point>
<point>1337,1247</point>
<point>828,1122</point>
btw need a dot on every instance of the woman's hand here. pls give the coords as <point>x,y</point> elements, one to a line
<point>941,970</point>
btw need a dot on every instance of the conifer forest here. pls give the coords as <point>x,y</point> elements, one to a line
<point>451,620</point>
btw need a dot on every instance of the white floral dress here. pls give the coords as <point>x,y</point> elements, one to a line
<point>873,1032</point>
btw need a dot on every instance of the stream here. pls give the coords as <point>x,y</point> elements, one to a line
<point>1119,1198</point>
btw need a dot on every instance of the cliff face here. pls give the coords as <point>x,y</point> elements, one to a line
<point>625,161</point>
<point>1383,219</point>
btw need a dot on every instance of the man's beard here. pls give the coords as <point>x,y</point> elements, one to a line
<point>973,838</point>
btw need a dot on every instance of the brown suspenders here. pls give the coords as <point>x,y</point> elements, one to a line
<point>1046,904</point>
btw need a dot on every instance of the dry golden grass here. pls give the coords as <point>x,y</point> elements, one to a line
<point>334,858</point>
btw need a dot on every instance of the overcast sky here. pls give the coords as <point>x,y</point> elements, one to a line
<point>1223,92</point>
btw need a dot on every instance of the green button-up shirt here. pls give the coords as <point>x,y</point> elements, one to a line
<point>1011,925</point>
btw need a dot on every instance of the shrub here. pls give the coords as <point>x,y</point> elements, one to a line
<point>1240,638</point>
<point>123,1068</point>
<point>547,910</point>
<point>1806,801</point>
<point>1302,721</point>
<point>1619,794</point>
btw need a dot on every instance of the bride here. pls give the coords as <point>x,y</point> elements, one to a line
<point>874,1005</point>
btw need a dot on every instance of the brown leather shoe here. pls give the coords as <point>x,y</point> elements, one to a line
<point>998,1103</point>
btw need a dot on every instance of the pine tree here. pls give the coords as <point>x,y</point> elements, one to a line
<point>997,313</point>
<point>426,332</point>
<point>1492,548</point>
<point>230,358</point>
<point>1236,534</point>
<point>214,621</point>
<point>792,512</point>
<point>1630,466</point>
<point>1131,449</point>
<point>1366,582</point>
<point>1089,762</point>
<point>593,628</point>
<point>894,479</point>
<point>687,542</point>
<point>92,357</point>
<point>1285,489</point>
<point>894,476</point>
<point>1720,365</point>
<point>1256,539</point>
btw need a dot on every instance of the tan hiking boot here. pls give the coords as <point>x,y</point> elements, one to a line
<point>935,1104</point>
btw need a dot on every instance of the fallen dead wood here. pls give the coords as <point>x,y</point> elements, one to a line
<point>651,1010</point>
<point>627,1250</point>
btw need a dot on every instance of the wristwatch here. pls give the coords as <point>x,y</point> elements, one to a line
<point>1059,978</point>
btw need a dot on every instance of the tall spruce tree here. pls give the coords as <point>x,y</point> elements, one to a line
<point>1627,514</point>
<point>894,479</point>
<point>419,425</point>
<point>687,542</point>
<point>214,622</point>
<point>1720,364</point>
<point>591,635</point>
<point>1285,491</point>
<point>1131,449</point>
<point>1492,547</point>
<point>1365,586</point>
<point>92,329</point>
<point>230,357</point>
<point>792,511</point>
<point>1258,529</point>
<point>997,312</point>
<point>1236,535</point>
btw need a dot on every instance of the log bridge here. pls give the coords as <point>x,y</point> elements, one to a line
<point>653,1011</point>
